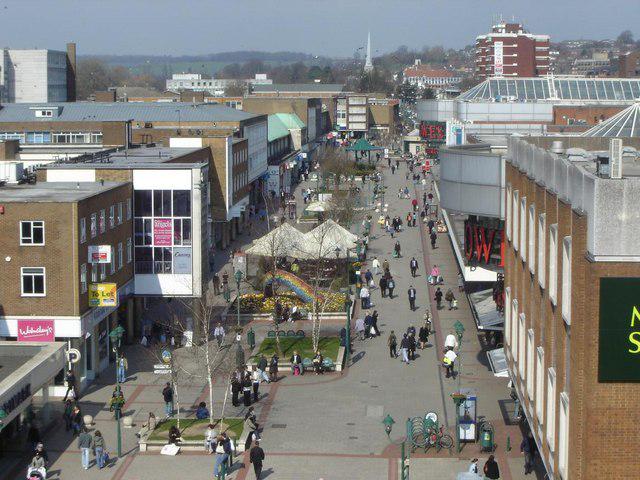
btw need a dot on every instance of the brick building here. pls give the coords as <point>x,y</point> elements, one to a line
<point>571,306</point>
<point>629,64</point>
<point>47,230</point>
<point>510,51</point>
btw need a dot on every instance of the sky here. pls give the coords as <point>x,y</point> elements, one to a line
<point>320,27</point>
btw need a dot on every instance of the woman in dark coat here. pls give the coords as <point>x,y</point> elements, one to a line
<point>423,336</point>
<point>273,368</point>
<point>246,389</point>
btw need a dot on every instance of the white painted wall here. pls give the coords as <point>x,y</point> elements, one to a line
<point>178,179</point>
<point>71,175</point>
<point>34,76</point>
<point>258,151</point>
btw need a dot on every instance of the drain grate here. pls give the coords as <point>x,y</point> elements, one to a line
<point>353,438</point>
<point>374,386</point>
<point>351,424</point>
<point>278,425</point>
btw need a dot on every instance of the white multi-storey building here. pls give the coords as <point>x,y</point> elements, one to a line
<point>214,86</point>
<point>31,76</point>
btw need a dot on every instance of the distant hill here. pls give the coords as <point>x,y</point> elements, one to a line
<point>208,64</point>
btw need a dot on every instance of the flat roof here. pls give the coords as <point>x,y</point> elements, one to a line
<point>299,87</point>
<point>58,192</point>
<point>123,111</point>
<point>143,157</point>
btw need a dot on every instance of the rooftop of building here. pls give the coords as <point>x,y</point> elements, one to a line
<point>58,192</point>
<point>426,71</point>
<point>154,157</point>
<point>554,89</point>
<point>122,111</point>
<point>578,171</point>
<point>17,359</point>
<point>300,87</point>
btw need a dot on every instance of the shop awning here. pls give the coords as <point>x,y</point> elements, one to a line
<point>362,145</point>
<point>498,362</point>
<point>484,311</point>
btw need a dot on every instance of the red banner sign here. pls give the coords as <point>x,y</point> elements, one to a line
<point>36,331</point>
<point>480,243</point>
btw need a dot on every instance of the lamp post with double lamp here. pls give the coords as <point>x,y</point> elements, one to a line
<point>115,336</point>
<point>238,275</point>
<point>404,458</point>
<point>459,328</point>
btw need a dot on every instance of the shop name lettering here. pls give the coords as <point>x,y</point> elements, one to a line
<point>17,399</point>
<point>479,242</point>
<point>36,332</point>
<point>634,337</point>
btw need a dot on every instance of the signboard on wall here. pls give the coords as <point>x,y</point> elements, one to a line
<point>103,295</point>
<point>162,232</point>
<point>99,254</point>
<point>36,331</point>
<point>498,58</point>
<point>619,340</point>
<point>182,260</point>
<point>483,243</point>
<point>435,132</point>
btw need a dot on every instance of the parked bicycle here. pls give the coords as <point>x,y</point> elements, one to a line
<point>436,437</point>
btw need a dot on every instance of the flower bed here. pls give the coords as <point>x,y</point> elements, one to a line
<point>257,303</point>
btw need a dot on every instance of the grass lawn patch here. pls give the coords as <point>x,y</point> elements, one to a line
<point>193,429</point>
<point>328,347</point>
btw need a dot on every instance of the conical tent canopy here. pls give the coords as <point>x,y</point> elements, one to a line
<point>327,239</point>
<point>283,241</point>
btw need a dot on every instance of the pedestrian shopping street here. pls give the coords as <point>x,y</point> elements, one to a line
<point>330,426</point>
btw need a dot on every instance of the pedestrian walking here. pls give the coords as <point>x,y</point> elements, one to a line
<point>491,469</point>
<point>385,265</point>
<point>438,298</point>
<point>451,341</point>
<point>404,348</point>
<point>375,264</point>
<point>66,415</point>
<point>222,454</point>
<point>391,284</point>
<point>412,346</point>
<point>255,383</point>
<point>448,361</point>
<point>365,297</point>
<point>473,466</point>
<point>435,278</point>
<point>367,325</point>
<point>256,457</point>
<point>219,333</point>
<point>216,284</point>
<point>392,343</point>
<point>413,266</point>
<point>382,283</point>
<point>99,449</point>
<point>84,444</point>
<point>368,276</point>
<point>262,368</point>
<point>70,380</point>
<point>412,297</point>
<point>423,337</point>
<point>273,368</point>
<point>414,219</point>
<point>246,389</point>
<point>396,250</point>
<point>123,366</point>
<point>433,236</point>
<point>77,422</point>
<point>460,282</point>
<point>450,298</point>
<point>167,396</point>
<point>529,448</point>
<point>374,324</point>
<point>236,387</point>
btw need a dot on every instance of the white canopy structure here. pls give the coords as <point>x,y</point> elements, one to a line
<point>317,207</point>
<point>284,241</point>
<point>329,238</point>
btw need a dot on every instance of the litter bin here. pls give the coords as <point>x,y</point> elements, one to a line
<point>251,338</point>
<point>486,437</point>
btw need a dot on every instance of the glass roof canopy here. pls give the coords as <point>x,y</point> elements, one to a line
<point>624,124</point>
<point>570,89</point>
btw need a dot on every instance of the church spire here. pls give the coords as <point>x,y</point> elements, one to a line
<point>368,64</point>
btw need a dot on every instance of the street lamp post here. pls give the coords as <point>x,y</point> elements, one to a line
<point>388,426</point>
<point>459,328</point>
<point>238,276</point>
<point>116,338</point>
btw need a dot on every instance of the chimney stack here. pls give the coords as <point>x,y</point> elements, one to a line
<point>71,72</point>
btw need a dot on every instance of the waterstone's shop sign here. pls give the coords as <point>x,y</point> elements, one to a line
<point>619,351</point>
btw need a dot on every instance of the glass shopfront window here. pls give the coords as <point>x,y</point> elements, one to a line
<point>162,230</point>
